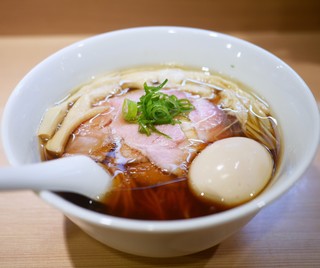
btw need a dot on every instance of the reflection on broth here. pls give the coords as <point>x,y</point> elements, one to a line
<point>145,127</point>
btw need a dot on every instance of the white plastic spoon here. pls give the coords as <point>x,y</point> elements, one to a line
<point>77,174</point>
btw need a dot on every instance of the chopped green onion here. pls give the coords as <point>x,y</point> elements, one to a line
<point>155,108</point>
<point>129,110</point>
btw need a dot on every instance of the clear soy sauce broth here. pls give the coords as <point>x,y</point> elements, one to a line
<point>141,190</point>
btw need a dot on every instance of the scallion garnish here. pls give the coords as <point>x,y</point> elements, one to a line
<point>129,110</point>
<point>155,108</point>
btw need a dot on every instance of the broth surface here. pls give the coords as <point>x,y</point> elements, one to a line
<point>150,173</point>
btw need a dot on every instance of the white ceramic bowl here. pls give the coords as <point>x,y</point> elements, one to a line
<point>290,99</point>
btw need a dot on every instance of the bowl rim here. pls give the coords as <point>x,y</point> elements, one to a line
<point>73,211</point>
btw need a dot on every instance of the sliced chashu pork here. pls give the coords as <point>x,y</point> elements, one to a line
<point>98,136</point>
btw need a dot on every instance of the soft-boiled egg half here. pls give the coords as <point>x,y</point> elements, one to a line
<point>231,171</point>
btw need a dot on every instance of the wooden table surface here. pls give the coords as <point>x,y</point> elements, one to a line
<point>286,234</point>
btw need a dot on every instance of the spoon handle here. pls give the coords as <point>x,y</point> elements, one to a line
<point>77,174</point>
<point>50,175</point>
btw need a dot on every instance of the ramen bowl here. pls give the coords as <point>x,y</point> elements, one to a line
<point>289,97</point>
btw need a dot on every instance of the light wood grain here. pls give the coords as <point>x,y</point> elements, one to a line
<point>285,234</point>
<point>95,16</point>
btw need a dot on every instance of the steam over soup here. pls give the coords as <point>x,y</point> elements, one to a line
<point>179,143</point>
